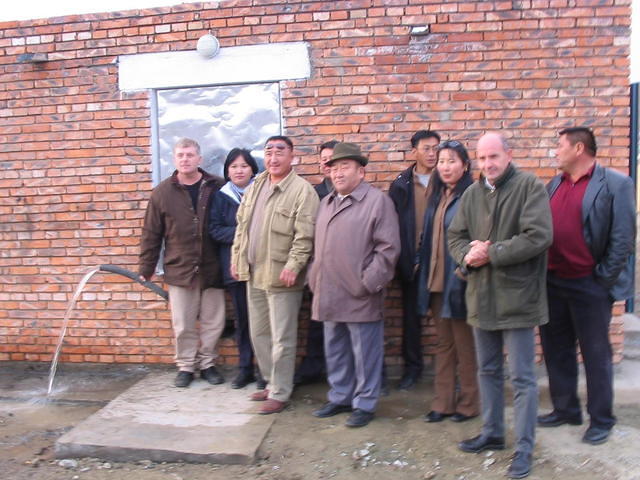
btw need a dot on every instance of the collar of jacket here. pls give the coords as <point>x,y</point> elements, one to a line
<point>407,175</point>
<point>206,177</point>
<point>509,172</point>
<point>358,193</point>
<point>597,176</point>
<point>282,184</point>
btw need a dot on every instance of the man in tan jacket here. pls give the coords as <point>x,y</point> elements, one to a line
<point>356,248</point>
<point>271,248</point>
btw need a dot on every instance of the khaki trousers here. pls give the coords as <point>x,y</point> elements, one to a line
<point>196,347</point>
<point>273,323</point>
<point>455,356</point>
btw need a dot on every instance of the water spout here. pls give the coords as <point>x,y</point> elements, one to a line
<point>63,331</point>
<point>102,268</point>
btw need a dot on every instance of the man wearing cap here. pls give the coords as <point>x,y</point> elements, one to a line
<point>356,249</point>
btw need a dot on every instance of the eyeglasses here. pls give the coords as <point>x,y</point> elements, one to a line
<point>450,144</point>
<point>428,148</point>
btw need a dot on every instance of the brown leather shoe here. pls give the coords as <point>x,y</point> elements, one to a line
<point>259,396</point>
<point>272,406</point>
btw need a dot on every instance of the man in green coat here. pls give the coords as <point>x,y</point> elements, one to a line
<point>499,237</point>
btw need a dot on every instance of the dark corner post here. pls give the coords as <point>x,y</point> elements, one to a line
<point>633,159</point>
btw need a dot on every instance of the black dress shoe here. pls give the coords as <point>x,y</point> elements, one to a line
<point>460,417</point>
<point>359,418</point>
<point>435,417</point>
<point>242,380</point>
<point>520,465</point>
<point>212,375</point>
<point>330,409</point>
<point>299,379</point>
<point>408,381</point>
<point>554,419</point>
<point>183,379</point>
<point>596,435</point>
<point>481,443</point>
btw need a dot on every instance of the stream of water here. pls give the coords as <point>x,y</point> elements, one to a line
<point>63,331</point>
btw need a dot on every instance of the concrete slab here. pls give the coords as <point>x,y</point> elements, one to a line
<point>155,421</point>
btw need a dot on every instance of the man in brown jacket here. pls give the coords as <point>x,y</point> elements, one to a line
<point>356,249</point>
<point>177,215</point>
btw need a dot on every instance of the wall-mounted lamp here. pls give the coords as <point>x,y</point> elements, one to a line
<point>420,30</point>
<point>33,58</point>
<point>208,46</point>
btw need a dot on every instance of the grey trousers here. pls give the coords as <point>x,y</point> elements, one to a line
<point>354,354</point>
<point>520,343</point>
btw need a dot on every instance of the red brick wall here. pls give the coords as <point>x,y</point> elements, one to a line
<point>76,159</point>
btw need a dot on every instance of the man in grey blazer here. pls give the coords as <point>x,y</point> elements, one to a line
<point>589,266</point>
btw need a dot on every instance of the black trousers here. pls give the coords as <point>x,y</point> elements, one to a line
<point>411,330</point>
<point>313,362</point>
<point>238,292</point>
<point>579,309</point>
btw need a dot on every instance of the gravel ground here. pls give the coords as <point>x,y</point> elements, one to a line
<point>396,445</point>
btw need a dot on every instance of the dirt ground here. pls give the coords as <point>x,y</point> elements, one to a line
<point>396,445</point>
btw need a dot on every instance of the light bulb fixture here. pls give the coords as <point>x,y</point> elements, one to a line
<point>208,46</point>
<point>420,30</point>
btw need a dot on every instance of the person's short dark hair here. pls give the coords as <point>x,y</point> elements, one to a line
<point>285,139</point>
<point>583,135</point>
<point>239,152</point>
<point>422,135</point>
<point>331,144</point>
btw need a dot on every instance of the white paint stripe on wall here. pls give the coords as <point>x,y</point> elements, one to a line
<point>245,64</point>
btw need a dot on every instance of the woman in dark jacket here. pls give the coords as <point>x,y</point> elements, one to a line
<point>441,289</point>
<point>239,170</point>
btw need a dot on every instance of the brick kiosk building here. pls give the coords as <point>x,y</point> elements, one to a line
<point>81,100</point>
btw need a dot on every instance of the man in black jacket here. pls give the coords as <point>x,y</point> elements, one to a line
<point>410,195</point>
<point>589,267</point>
